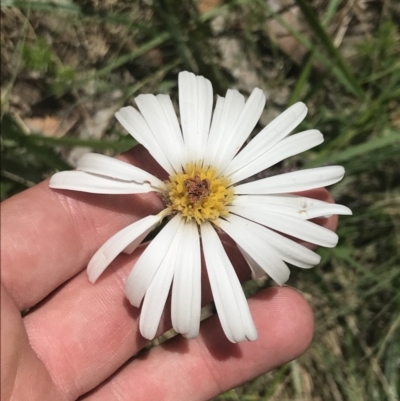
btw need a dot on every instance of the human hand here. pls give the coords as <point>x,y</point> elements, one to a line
<point>78,339</point>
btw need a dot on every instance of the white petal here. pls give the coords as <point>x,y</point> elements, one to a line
<point>230,302</point>
<point>195,104</point>
<point>157,292</point>
<point>136,125</point>
<point>234,140</point>
<point>294,201</point>
<point>233,105</point>
<point>204,110</point>
<point>256,269</point>
<point>296,181</point>
<point>302,208</point>
<point>167,138</point>
<point>186,289</point>
<point>188,107</point>
<point>108,166</point>
<point>286,148</point>
<point>326,210</point>
<point>214,131</point>
<point>287,249</point>
<point>263,254</point>
<point>302,229</point>
<point>86,182</point>
<point>265,140</point>
<point>132,234</point>
<point>168,107</point>
<point>147,265</point>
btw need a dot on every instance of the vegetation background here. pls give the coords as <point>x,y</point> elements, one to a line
<point>67,66</point>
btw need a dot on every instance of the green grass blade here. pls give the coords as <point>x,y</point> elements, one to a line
<point>391,138</point>
<point>144,48</point>
<point>320,32</point>
<point>302,81</point>
<point>97,144</point>
<point>327,62</point>
<point>330,12</point>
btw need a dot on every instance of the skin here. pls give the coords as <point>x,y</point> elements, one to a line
<point>79,340</point>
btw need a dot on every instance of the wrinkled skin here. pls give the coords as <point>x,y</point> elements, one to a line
<point>78,339</point>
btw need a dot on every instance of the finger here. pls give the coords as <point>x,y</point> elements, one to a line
<point>201,368</point>
<point>21,369</point>
<point>49,236</point>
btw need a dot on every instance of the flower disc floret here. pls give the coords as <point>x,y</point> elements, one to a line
<point>199,193</point>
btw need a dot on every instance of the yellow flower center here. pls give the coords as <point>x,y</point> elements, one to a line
<point>199,193</point>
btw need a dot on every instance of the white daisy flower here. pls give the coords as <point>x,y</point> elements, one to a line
<point>203,194</point>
